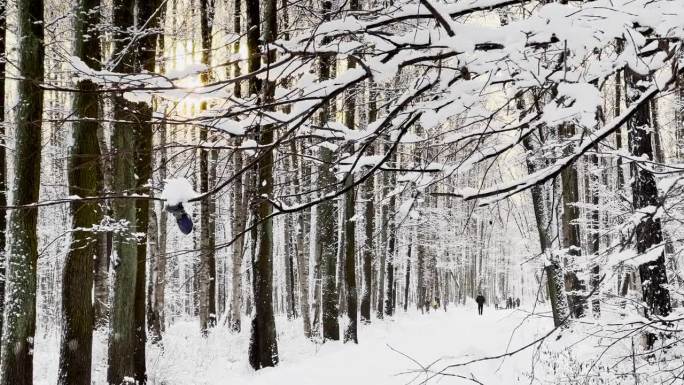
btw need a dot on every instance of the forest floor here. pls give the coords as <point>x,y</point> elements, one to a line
<point>389,352</point>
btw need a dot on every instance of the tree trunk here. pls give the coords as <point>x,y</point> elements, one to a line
<point>207,270</point>
<point>263,348</point>
<point>570,231</point>
<point>239,214</point>
<point>327,215</point>
<point>101,277</point>
<point>158,285</point>
<point>554,277</point>
<point>238,246</point>
<point>595,237</point>
<point>645,194</point>
<point>407,280</point>
<point>3,163</point>
<point>16,366</point>
<point>290,302</point>
<point>391,238</point>
<point>301,252</point>
<point>84,180</point>
<point>382,268</point>
<point>369,246</point>
<point>132,170</point>
<point>349,120</point>
<point>420,278</point>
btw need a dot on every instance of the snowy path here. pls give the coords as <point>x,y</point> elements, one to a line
<point>455,336</point>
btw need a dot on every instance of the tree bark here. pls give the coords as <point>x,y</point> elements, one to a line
<point>349,120</point>
<point>391,239</point>
<point>239,208</point>
<point>327,215</point>
<point>570,231</point>
<point>101,277</point>
<point>238,246</point>
<point>16,366</point>
<point>382,268</point>
<point>75,357</point>
<point>263,348</point>
<point>3,163</point>
<point>645,194</point>
<point>554,279</point>
<point>300,250</point>
<point>207,270</point>
<point>369,246</point>
<point>594,236</point>
<point>290,302</point>
<point>158,262</point>
<point>407,280</point>
<point>132,170</point>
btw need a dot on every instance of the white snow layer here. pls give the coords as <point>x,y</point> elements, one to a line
<point>177,190</point>
<point>442,338</point>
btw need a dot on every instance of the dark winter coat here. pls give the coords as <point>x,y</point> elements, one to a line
<point>480,300</point>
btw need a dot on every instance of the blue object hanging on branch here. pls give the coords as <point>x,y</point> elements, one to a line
<point>182,218</point>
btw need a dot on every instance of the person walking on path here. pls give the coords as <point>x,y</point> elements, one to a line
<point>480,303</point>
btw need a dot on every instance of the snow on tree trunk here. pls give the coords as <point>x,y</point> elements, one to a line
<point>570,231</point>
<point>349,120</point>
<point>207,268</point>
<point>648,231</point>
<point>85,178</point>
<point>369,228</point>
<point>300,251</point>
<point>16,363</point>
<point>263,347</point>
<point>132,170</point>
<point>3,164</point>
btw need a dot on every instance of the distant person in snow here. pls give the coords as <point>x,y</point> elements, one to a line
<point>496,303</point>
<point>480,303</point>
<point>517,302</point>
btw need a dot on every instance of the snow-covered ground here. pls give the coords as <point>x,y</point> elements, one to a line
<point>436,340</point>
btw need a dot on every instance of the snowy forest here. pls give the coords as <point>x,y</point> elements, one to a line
<point>331,192</point>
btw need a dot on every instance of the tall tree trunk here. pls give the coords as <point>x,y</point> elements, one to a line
<point>158,285</point>
<point>571,231</point>
<point>349,120</point>
<point>238,245</point>
<point>239,213</point>
<point>554,279</point>
<point>290,302</point>
<point>645,194</point>
<point>420,278</point>
<point>102,259</point>
<point>207,276</point>
<point>369,246</point>
<point>300,250</point>
<point>84,180</point>
<point>350,333</point>
<point>382,268</point>
<point>157,228</point>
<point>146,61</point>
<point>3,161</point>
<point>16,366</point>
<point>594,236</point>
<point>327,215</point>
<point>391,239</point>
<point>132,170</point>
<point>407,280</point>
<point>263,348</point>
